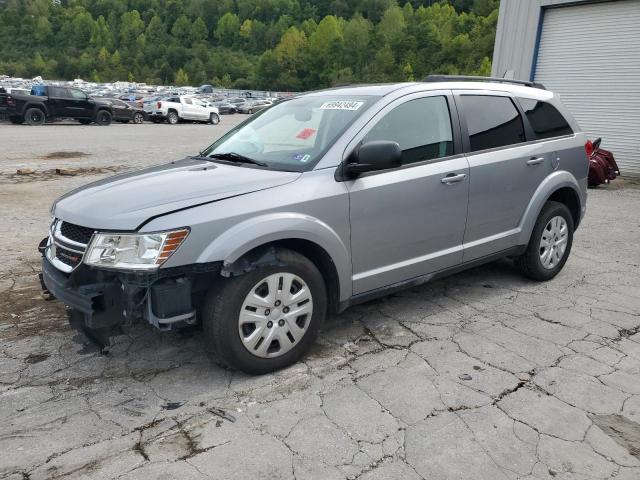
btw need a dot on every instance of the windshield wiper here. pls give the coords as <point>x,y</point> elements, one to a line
<point>236,157</point>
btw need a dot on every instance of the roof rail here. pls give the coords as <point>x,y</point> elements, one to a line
<point>468,78</point>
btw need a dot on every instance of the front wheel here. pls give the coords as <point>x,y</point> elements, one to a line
<point>550,243</point>
<point>103,118</point>
<point>267,318</point>
<point>138,118</point>
<point>214,119</point>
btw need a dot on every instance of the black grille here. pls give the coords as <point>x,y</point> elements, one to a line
<point>76,233</point>
<point>68,257</point>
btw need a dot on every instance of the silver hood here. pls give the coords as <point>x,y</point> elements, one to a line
<point>126,201</point>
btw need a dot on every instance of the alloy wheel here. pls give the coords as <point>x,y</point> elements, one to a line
<point>553,242</point>
<point>275,315</point>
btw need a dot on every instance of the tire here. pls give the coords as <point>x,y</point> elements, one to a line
<point>556,222</point>
<point>172,118</point>
<point>16,120</point>
<point>138,118</point>
<point>221,316</point>
<point>250,112</point>
<point>103,118</point>
<point>34,117</point>
<point>214,119</point>
<point>85,121</point>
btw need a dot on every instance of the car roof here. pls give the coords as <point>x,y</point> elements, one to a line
<point>384,89</point>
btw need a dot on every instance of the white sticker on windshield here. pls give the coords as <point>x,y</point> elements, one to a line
<point>341,105</point>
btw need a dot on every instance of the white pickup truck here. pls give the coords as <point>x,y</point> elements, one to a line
<point>175,108</point>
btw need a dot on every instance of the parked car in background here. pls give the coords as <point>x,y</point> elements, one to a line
<point>48,102</point>
<point>225,108</point>
<point>173,109</point>
<point>253,106</point>
<point>238,101</point>
<point>321,202</point>
<point>124,112</point>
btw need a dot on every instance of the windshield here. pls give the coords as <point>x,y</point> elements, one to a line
<point>294,134</point>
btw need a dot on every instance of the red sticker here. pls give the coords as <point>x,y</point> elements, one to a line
<point>306,133</point>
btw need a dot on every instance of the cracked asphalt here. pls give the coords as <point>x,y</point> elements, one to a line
<point>483,375</point>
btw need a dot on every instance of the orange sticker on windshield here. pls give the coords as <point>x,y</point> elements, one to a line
<point>306,133</point>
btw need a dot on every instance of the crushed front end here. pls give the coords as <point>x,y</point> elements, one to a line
<point>101,301</point>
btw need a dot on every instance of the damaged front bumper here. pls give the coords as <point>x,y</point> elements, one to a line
<point>102,301</point>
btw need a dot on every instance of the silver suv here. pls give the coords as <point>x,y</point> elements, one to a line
<point>317,203</point>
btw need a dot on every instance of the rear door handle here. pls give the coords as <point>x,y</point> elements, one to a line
<point>453,178</point>
<point>535,161</point>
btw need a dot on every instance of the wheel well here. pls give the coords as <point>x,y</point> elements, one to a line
<point>172,110</point>
<point>320,258</point>
<point>570,198</point>
<point>35,105</point>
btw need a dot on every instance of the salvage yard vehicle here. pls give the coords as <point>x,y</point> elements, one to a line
<point>48,102</point>
<point>320,202</point>
<point>253,106</point>
<point>123,112</point>
<point>176,108</point>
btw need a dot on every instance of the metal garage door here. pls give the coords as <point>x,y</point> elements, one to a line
<point>590,55</point>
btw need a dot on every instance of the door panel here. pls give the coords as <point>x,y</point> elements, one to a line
<point>410,221</point>
<point>504,172</point>
<point>407,223</point>
<point>500,187</point>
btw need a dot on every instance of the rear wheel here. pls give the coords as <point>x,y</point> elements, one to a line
<point>550,243</point>
<point>268,318</point>
<point>214,119</point>
<point>138,118</point>
<point>172,118</point>
<point>34,117</point>
<point>103,118</point>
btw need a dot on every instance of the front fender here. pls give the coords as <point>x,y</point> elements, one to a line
<point>553,182</point>
<point>257,231</point>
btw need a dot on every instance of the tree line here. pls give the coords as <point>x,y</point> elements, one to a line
<point>263,44</point>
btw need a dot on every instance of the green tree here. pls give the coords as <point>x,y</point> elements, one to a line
<point>198,31</point>
<point>181,77</point>
<point>228,29</point>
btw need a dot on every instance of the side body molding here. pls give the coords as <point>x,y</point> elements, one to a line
<point>553,182</point>
<point>257,231</point>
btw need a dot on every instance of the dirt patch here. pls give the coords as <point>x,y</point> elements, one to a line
<point>623,431</point>
<point>25,313</point>
<point>53,174</point>
<point>36,357</point>
<point>59,155</point>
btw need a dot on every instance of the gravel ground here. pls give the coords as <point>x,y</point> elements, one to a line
<point>483,375</point>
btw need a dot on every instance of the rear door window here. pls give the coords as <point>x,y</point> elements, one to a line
<point>422,128</point>
<point>545,119</point>
<point>492,121</point>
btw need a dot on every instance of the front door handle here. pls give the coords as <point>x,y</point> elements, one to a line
<point>453,178</point>
<point>535,161</point>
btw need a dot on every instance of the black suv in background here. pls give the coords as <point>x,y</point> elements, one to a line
<point>46,103</point>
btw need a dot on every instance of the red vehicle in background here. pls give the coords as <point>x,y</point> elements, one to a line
<point>602,166</point>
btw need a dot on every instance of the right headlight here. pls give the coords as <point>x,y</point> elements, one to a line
<point>133,251</point>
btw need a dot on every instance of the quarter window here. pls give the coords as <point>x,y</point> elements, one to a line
<point>492,121</point>
<point>422,128</point>
<point>545,119</point>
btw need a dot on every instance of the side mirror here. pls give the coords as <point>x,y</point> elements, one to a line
<point>375,155</point>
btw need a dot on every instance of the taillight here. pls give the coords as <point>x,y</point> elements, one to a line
<point>159,105</point>
<point>10,100</point>
<point>588,147</point>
